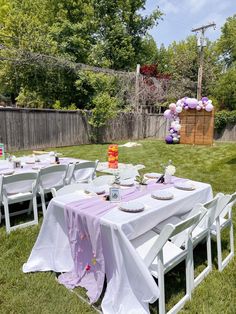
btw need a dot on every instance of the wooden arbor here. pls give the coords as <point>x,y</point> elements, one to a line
<point>197,127</point>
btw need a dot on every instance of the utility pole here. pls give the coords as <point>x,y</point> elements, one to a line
<point>201,44</point>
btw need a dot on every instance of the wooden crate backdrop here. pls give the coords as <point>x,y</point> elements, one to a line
<point>197,127</point>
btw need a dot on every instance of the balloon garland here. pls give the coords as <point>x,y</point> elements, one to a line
<point>175,109</point>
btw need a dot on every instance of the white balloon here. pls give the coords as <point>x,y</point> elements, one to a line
<point>178,109</point>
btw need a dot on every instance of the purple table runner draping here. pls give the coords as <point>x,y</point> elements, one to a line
<point>83,223</point>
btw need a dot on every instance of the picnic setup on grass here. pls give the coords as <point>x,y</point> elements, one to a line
<point>105,224</point>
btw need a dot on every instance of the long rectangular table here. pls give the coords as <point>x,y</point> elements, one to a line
<point>130,286</point>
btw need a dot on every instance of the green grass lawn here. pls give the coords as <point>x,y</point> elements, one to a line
<point>40,293</point>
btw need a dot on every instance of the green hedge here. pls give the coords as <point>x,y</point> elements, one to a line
<point>222,118</point>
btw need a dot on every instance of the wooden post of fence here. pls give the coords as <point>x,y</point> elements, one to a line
<point>137,86</point>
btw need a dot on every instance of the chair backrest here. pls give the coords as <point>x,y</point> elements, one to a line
<point>84,171</point>
<point>104,180</point>
<point>170,231</point>
<point>72,188</point>
<point>229,206</point>
<point>52,176</point>
<point>20,183</point>
<point>214,211</point>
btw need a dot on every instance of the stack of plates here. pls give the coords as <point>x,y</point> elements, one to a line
<point>95,189</point>
<point>132,207</point>
<point>152,175</point>
<point>162,195</point>
<point>187,185</point>
<point>6,172</point>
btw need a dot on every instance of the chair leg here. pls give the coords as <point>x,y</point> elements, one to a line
<point>161,284</point>
<point>189,271</point>
<point>228,258</point>
<point>208,269</point>
<point>35,209</point>
<point>43,203</point>
<point>30,207</point>
<point>219,249</point>
<point>7,216</point>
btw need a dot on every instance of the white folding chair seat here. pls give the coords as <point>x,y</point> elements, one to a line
<point>19,188</point>
<point>83,172</point>
<point>160,256</point>
<point>52,177</point>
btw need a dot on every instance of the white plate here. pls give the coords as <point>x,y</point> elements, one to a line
<point>162,195</point>
<point>38,167</point>
<point>30,162</point>
<point>131,207</point>
<point>95,189</point>
<point>152,175</point>
<point>128,182</point>
<point>7,172</point>
<point>187,186</point>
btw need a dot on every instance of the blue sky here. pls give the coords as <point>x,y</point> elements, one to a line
<point>180,16</point>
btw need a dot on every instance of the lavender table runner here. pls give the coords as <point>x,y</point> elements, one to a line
<point>83,222</point>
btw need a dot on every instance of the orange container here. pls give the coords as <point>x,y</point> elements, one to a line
<point>113,156</point>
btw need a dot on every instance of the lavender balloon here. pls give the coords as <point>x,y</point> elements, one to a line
<point>209,107</point>
<point>168,114</point>
<point>204,99</point>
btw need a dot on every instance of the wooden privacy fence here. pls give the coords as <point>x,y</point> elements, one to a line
<point>22,129</point>
<point>40,128</point>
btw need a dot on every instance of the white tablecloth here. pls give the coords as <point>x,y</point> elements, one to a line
<point>130,287</point>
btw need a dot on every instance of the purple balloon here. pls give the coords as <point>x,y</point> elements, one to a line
<point>204,99</point>
<point>169,139</point>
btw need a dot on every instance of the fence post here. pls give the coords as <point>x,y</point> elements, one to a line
<point>137,86</point>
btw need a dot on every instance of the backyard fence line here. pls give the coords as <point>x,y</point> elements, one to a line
<point>26,128</point>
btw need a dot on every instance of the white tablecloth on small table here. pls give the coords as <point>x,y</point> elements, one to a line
<point>130,287</point>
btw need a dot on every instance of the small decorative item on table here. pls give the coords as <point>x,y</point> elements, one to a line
<point>169,172</point>
<point>114,194</point>
<point>142,182</point>
<point>113,156</point>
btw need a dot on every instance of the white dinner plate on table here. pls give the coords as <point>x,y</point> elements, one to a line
<point>187,186</point>
<point>7,172</point>
<point>152,175</point>
<point>38,167</point>
<point>30,162</point>
<point>162,195</point>
<point>132,207</point>
<point>127,182</point>
<point>95,189</point>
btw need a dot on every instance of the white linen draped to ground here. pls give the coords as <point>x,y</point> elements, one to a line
<point>130,287</point>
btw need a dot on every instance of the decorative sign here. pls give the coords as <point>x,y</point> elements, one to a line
<point>114,194</point>
<point>2,151</point>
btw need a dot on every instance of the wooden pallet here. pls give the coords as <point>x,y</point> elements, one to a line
<point>197,127</point>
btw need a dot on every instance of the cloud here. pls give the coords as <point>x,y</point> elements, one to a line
<point>167,7</point>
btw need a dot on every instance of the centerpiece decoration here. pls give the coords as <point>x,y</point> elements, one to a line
<point>172,114</point>
<point>169,171</point>
<point>113,156</point>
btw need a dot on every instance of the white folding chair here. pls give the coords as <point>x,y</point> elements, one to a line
<point>202,231</point>
<point>223,221</point>
<point>83,172</point>
<point>52,177</point>
<point>15,189</point>
<point>161,255</point>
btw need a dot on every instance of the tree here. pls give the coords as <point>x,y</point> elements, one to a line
<point>227,42</point>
